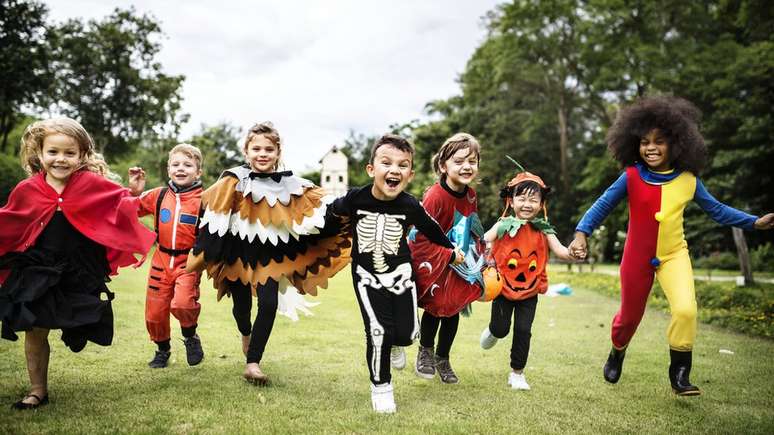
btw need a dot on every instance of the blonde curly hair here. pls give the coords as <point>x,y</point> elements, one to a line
<point>35,133</point>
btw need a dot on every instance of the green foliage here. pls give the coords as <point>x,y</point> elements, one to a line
<point>718,260</point>
<point>24,64</point>
<point>546,83</point>
<point>357,148</point>
<point>12,175</point>
<point>220,149</point>
<point>108,77</point>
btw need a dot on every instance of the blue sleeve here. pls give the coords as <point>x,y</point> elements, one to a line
<point>603,206</point>
<point>720,212</point>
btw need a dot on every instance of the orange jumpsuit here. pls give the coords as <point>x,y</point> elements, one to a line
<point>170,288</point>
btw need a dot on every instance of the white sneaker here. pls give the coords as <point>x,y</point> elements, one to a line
<point>487,339</point>
<point>382,398</point>
<point>398,357</point>
<point>517,381</point>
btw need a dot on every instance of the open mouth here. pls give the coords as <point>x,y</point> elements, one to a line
<point>392,182</point>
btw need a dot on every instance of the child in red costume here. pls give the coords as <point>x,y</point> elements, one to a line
<point>63,231</point>
<point>175,208</point>
<point>443,290</point>
<point>519,248</point>
<point>657,140</point>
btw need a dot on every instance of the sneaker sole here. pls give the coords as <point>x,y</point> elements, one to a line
<point>423,375</point>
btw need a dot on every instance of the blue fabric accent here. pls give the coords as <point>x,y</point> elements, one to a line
<point>165,215</point>
<point>412,235</point>
<point>651,177</point>
<point>655,262</point>
<point>603,206</point>
<point>720,212</point>
<point>188,219</point>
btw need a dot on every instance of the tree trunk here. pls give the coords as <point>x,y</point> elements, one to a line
<point>744,255</point>
<point>562,113</point>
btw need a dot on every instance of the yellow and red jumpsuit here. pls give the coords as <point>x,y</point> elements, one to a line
<point>655,245</point>
<point>170,288</point>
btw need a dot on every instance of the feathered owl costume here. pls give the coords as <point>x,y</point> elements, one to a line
<point>256,226</point>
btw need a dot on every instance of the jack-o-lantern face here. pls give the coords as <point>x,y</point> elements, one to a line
<point>521,259</point>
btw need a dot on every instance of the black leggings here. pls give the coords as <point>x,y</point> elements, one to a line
<point>523,315</point>
<point>448,330</point>
<point>260,330</point>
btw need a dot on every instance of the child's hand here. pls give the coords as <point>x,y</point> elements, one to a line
<point>459,257</point>
<point>136,180</point>
<point>578,246</point>
<point>765,222</point>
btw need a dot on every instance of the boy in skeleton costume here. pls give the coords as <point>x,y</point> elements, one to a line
<point>259,229</point>
<point>382,214</point>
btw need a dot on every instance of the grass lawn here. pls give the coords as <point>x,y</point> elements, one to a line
<point>320,381</point>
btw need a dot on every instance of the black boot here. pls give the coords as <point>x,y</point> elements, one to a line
<point>679,370</point>
<point>614,365</point>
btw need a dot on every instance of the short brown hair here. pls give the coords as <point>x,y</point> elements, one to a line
<point>396,141</point>
<point>189,151</point>
<point>458,141</point>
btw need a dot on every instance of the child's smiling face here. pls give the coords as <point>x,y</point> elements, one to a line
<point>183,170</point>
<point>391,171</point>
<point>460,169</point>
<point>654,151</point>
<point>262,154</point>
<point>527,204</point>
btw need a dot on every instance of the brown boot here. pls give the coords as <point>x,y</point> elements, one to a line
<point>254,375</point>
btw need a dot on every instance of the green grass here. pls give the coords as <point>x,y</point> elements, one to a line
<point>320,381</point>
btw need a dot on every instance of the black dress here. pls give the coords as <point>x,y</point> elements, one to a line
<point>58,284</point>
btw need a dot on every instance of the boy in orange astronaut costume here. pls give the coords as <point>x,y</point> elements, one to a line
<point>175,208</point>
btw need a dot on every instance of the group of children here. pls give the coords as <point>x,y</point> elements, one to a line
<point>259,231</point>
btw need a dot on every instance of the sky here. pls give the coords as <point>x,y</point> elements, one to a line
<point>316,69</point>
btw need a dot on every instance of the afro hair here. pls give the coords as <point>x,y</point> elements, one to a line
<point>677,120</point>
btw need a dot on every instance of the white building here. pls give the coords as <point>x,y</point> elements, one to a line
<point>333,172</point>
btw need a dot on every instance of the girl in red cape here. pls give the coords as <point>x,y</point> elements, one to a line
<point>64,230</point>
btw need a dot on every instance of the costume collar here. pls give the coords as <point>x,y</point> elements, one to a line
<point>653,177</point>
<point>451,191</point>
<point>275,176</point>
<point>177,189</point>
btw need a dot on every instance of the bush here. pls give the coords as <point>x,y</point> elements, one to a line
<point>718,260</point>
<point>12,175</point>
<point>762,258</point>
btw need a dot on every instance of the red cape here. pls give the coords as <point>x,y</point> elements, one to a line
<point>98,208</point>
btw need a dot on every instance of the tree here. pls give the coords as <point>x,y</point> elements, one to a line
<point>24,63</point>
<point>108,77</point>
<point>220,149</point>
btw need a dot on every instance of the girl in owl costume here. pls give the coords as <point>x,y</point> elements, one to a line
<point>260,231</point>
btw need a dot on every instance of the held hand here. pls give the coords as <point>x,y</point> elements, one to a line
<point>459,257</point>
<point>136,180</point>
<point>765,222</point>
<point>578,246</point>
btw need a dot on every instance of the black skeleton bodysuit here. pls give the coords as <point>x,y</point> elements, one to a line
<point>381,270</point>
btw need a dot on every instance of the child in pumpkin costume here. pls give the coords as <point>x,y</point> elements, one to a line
<point>657,139</point>
<point>519,248</point>
<point>261,229</point>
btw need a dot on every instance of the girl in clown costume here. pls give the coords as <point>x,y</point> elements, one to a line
<point>519,248</point>
<point>658,142</point>
<point>261,230</point>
